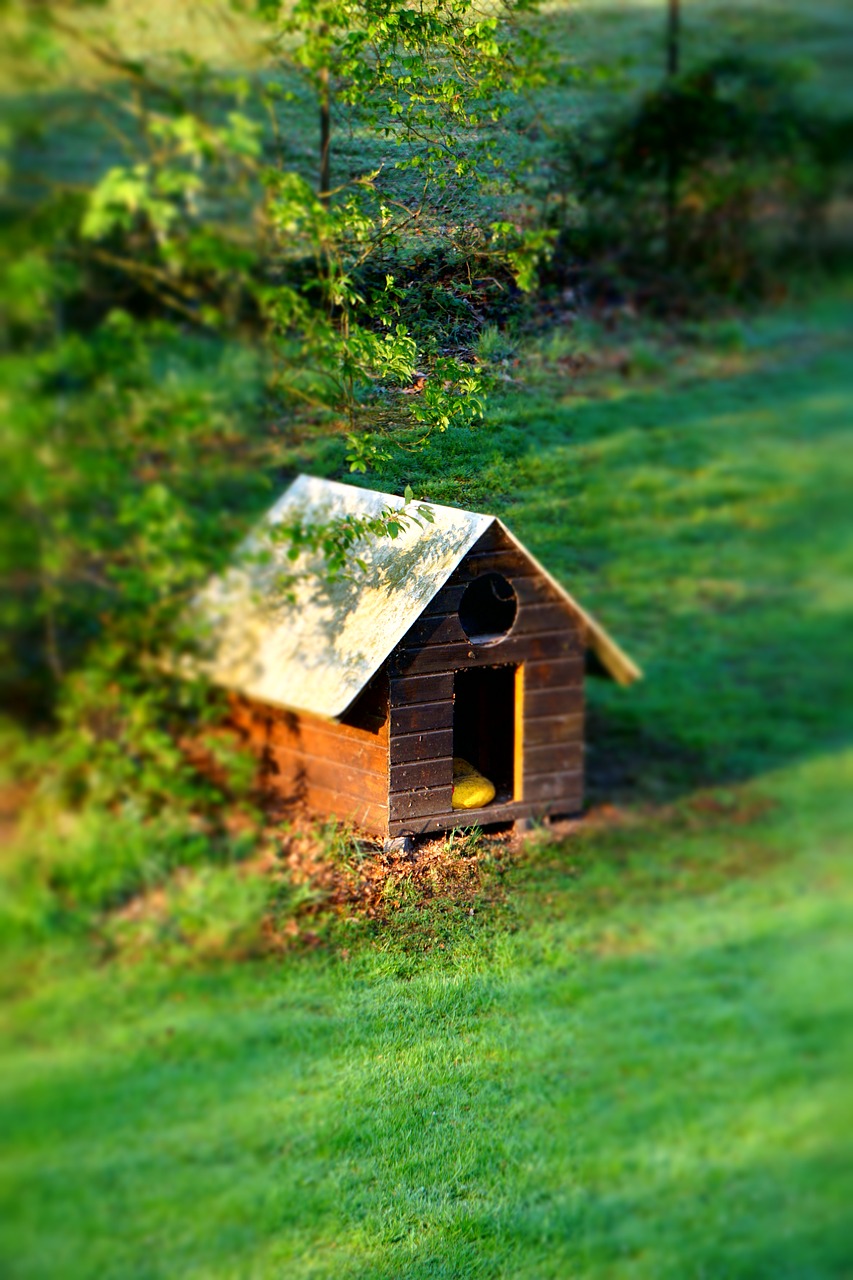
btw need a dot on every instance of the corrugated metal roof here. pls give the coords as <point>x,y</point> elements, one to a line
<point>317,652</point>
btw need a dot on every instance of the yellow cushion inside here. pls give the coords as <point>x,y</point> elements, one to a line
<point>470,789</point>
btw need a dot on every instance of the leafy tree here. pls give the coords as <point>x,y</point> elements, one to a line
<point>429,85</point>
<point>135,376</point>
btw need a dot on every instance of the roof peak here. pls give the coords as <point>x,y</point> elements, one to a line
<point>313,488</point>
<point>315,644</point>
<point>315,648</point>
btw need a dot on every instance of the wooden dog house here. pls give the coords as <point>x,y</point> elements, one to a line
<point>452,641</point>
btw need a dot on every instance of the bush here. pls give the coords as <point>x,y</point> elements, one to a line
<point>706,183</point>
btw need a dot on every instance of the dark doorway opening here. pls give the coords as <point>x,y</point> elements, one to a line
<point>485,728</point>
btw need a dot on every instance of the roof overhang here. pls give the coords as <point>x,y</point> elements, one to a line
<point>281,632</point>
<point>613,660</point>
<point>314,644</point>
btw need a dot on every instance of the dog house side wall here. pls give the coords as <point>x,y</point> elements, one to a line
<point>337,769</point>
<point>546,638</point>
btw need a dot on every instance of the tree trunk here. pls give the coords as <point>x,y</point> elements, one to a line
<point>325,127</point>
<point>673,39</point>
<point>325,135</point>
<point>673,58</point>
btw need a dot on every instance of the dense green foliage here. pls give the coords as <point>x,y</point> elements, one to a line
<point>717,178</point>
<point>197,285</point>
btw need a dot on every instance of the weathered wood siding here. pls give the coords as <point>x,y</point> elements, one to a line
<point>388,767</point>
<point>546,638</point>
<point>340,769</point>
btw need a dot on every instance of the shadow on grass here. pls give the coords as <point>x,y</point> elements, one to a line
<point>758,706</point>
<point>705,521</point>
<point>717,545</point>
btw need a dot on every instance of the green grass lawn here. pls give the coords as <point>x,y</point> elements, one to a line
<point>640,1067</point>
<point>629,34</point>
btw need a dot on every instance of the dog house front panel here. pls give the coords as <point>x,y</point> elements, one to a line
<point>494,668</point>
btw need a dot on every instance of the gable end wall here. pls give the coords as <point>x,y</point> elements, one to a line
<point>547,638</point>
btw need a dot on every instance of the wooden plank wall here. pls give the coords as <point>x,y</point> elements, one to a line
<point>340,769</point>
<point>547,638</point>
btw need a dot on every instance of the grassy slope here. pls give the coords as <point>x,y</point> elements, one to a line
<point>647,1077</point>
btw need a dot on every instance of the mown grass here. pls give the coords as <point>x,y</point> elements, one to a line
<point>647,1075</point>
<point>629,38</point>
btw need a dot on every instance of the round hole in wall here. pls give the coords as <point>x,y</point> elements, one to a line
<point>488,608</point>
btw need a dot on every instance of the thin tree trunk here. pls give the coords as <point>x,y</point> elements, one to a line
<point>325,133</point>
<point>673,58</point>
<point>673,39</point>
